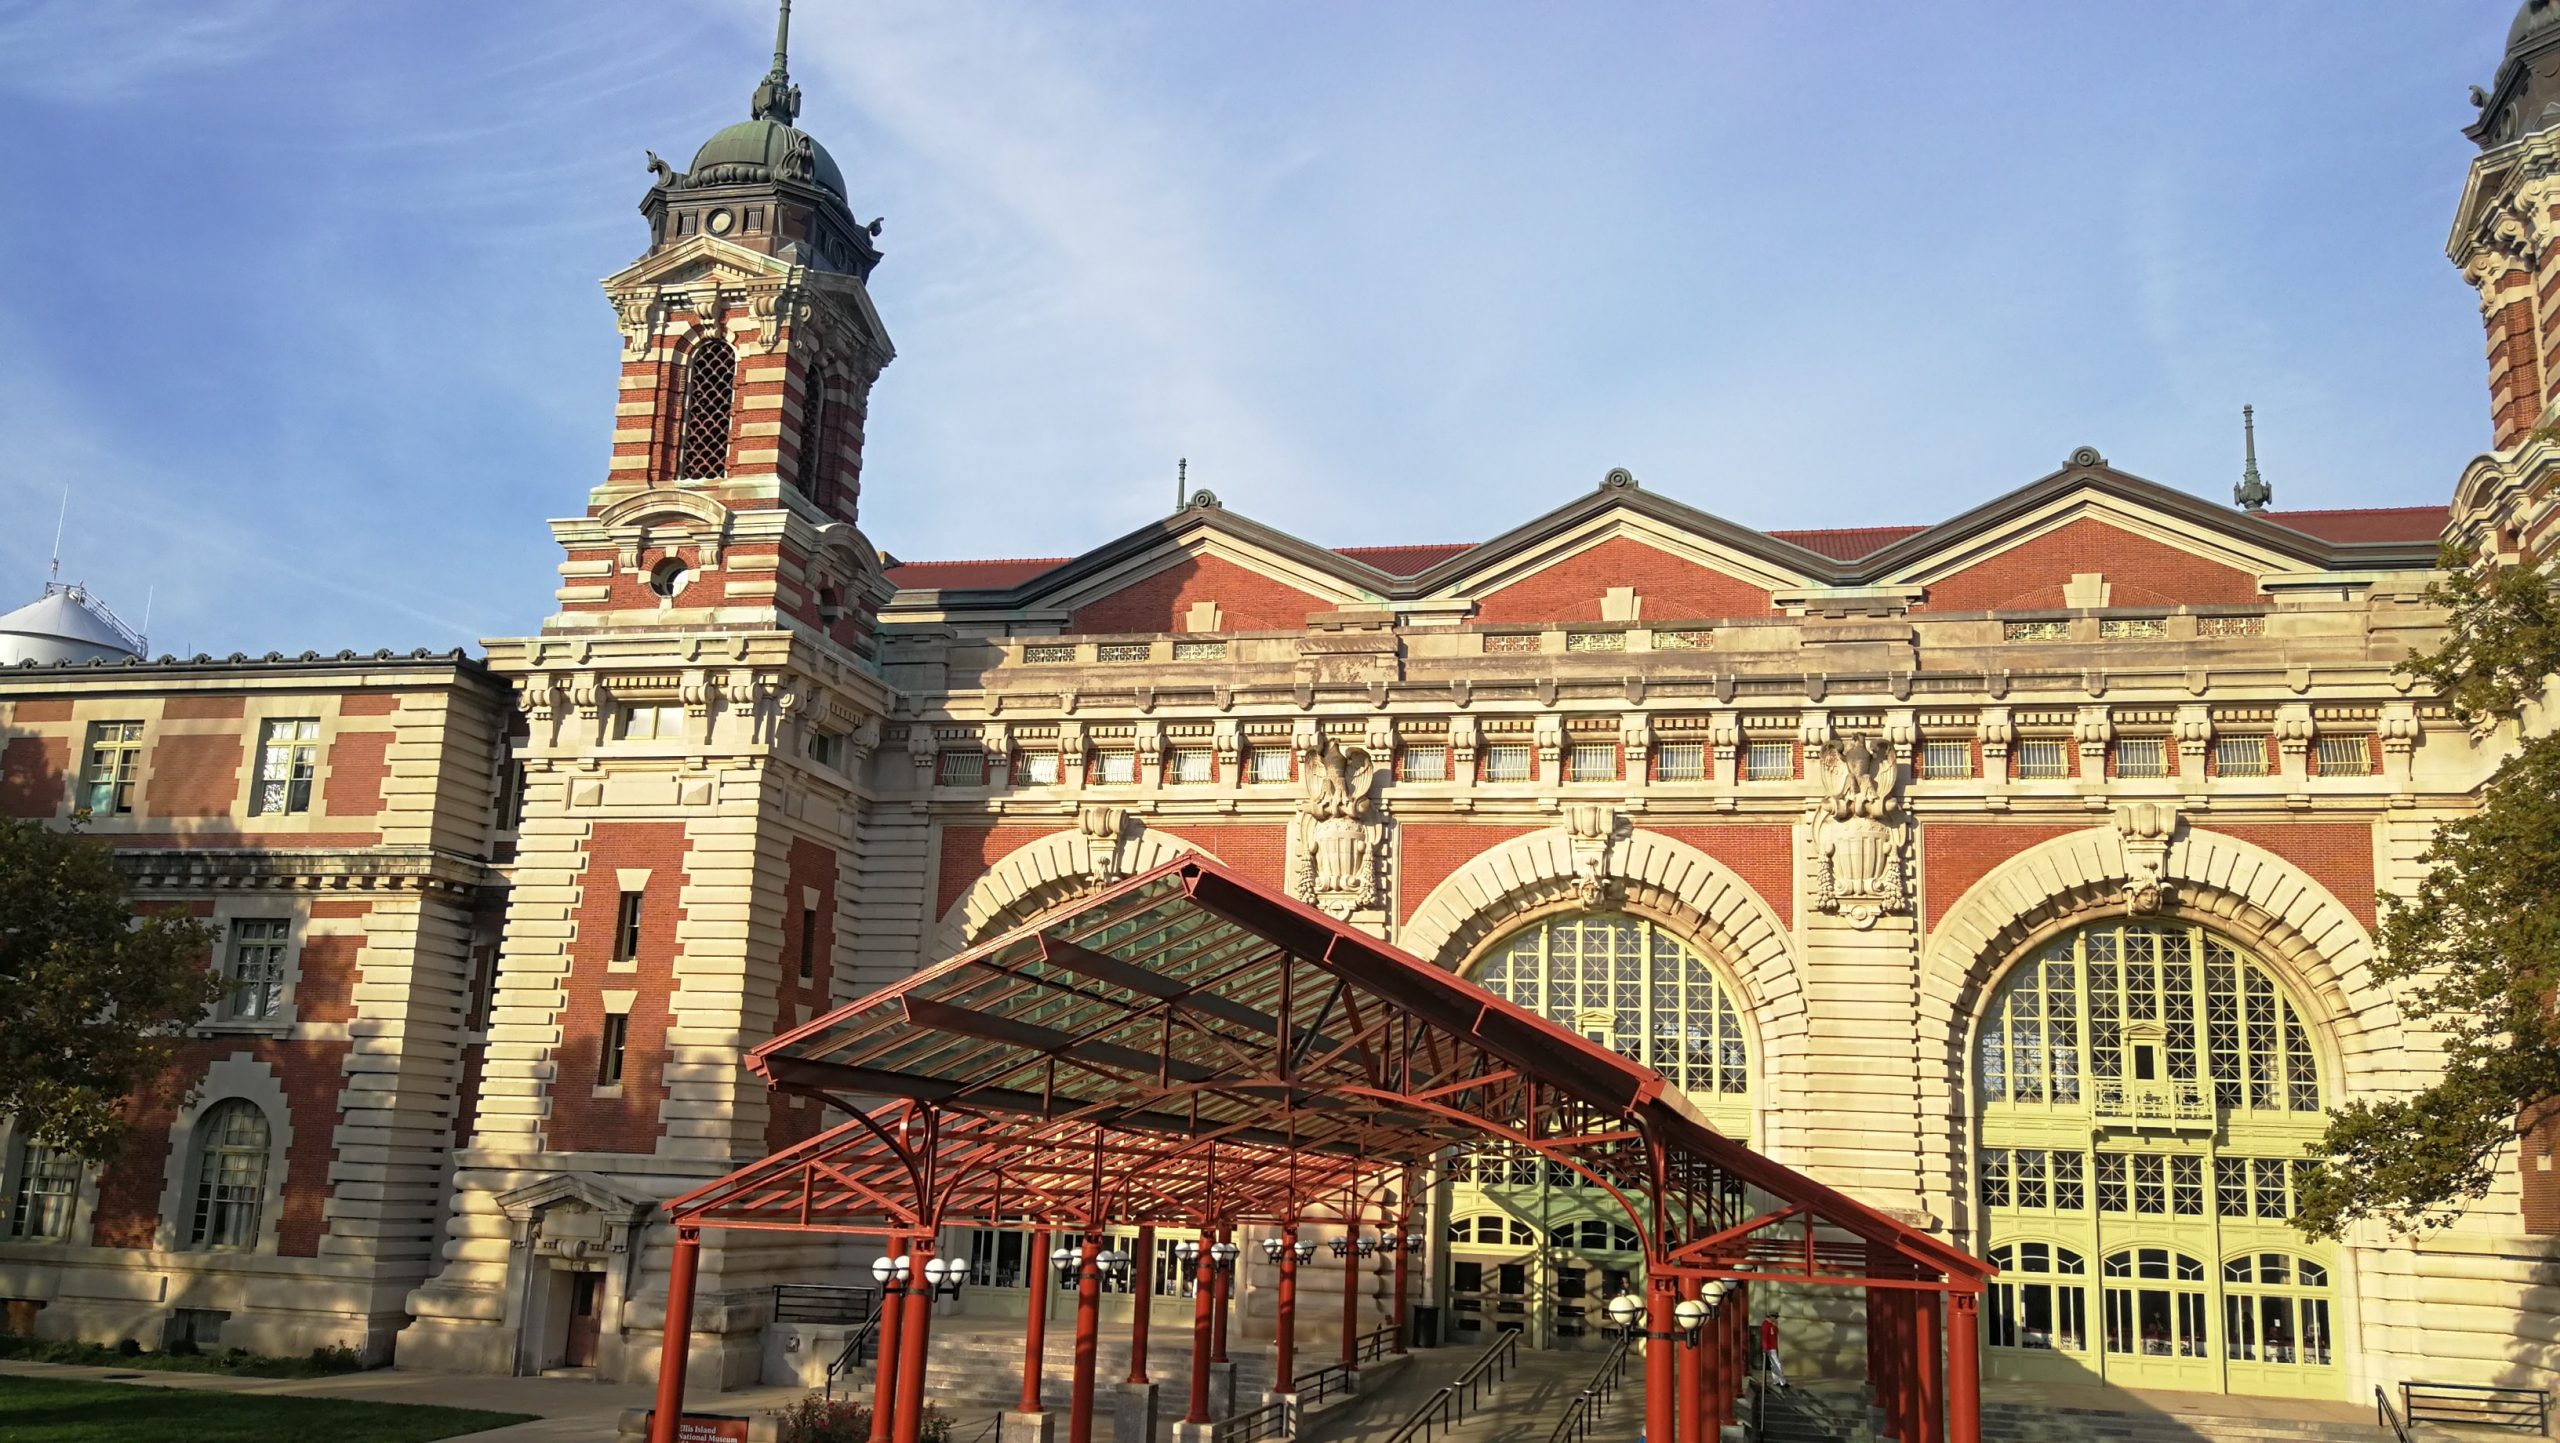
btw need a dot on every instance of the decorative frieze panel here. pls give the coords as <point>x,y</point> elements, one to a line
<point>1861,833</point>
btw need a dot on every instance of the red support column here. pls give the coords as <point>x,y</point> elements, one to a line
<point>1404,1294</point>
<point>913,1340</point>
<point>1088,1340</point>
<point>1925,1395</point>
<point>676,1344</point>
<point>1284,1358</point>
<point>1894,1382</point>
<point>1142,1271</point>
<point>1035,1329</point>
<point>884,1392</point>
<point>1661,1296</point>
<point>1226,1301</point>
<point>1690,1357</point>
<point>1204,1306</point>
<point>1964,1368</point>
<point>1351,1295</point>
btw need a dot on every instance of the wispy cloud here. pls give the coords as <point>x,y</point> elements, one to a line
<point>90,52</point>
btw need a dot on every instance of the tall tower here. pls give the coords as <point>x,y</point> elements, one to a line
<point>2506,239</point>
<point>698,720</point>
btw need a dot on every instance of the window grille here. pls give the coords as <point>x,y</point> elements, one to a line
<point>115,756</point>
<point>650,722</point>
<point>257,967</point>
<point>1691,640</point>
<point>2141,757</point>
<point>1595,641</point>
<point>1632,987</point>
<point>1423,764</point>
<point>231,1176</point>
<point>1512,643</point>
<point>1122,651</point>
<point>1681,762</point>
<point>2240,756</point>
<point>812,478</point>
<point>1265,765</point>
<point>2132,628</point>
<point>1941,760</point>
<point>288,756</point>
<point>1769,761</point>
<point>1506,762</point>
<point>48,1189</point>
<point>613,1045</point>
<point>2035,631</point>
<point>2044,759</point>
<point>962,768</point>
<point>1592,762</point>
<point>1115,768</point>
<point>1048,654</point>
<point>702,437</point>
<point>1191,766</point>
<point>1199,651</point>
<point>1038,769</point>
<point>2210,626</point>
<point>2346,756</point>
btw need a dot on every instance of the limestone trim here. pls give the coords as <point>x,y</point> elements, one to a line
<point>1038,875</point>
<point>1666,881</point>
<point>242,1076</point>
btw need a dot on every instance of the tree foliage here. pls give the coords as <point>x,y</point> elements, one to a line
<point>2478,941</point>
<point>93,998</point>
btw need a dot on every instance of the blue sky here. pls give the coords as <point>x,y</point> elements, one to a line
<point>305,311</point>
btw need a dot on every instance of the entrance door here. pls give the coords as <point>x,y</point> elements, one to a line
<point>2157,1322</point>
<point>586,1320</point>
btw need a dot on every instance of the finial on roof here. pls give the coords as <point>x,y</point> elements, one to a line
<point>777,98</point>
<point>2253,493</point>
<point>1181,481</point>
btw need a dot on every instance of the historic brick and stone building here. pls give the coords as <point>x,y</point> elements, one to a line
<point>2014,873</point>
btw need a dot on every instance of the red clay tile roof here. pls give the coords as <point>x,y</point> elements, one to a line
<point>1849,543</point>
<point>1404,560</point>
<point>967,575</point>
<point>2384,523</point>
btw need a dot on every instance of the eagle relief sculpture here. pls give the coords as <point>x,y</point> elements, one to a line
<point>1858,834</point>
<point>1334,848</point>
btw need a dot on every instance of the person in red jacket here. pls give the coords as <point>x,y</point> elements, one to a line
<point>1769,1351</point>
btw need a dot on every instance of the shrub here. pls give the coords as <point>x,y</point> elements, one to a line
<point>183,1348</point>
<point>336,1358</point>
<point>128,1348</point>
<point>817,1418</point>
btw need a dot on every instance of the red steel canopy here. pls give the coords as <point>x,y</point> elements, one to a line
<point>1190,1048</point>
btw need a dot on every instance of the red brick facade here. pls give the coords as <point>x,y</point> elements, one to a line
<point>195,776</point>
<point>2337,855</point>
<point>1670,588</point>
<point>131,1187</point>
<point>1246,600</point>
<point>1762,854</point>
<point>351,785</point>
<point>2139,571</point>
<point>806,932</point>
<point>1430,855</point>
<point>33,773</point>
<point>623,1119</point>
<point>1955,855</point>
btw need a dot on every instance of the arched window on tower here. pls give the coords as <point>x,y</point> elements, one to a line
<point>817,472</point>
<point>702,427</point>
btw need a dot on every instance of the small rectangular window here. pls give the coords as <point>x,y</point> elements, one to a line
<point>2141,757</point>
<point>1592,761</point>
<point>1267,764</point>
<point>1115,768</point>
<point>2240,756</point>
<point>827,749</point>
<point>1191,767</point>
<point>288,757</point>
<point>2346,756</point>
<point>1506,762</point>
<point>257,967</point>
<point>1942,760</point>
<point>626,927</point>
<point>610,1048</point>
<point>115,758</point>
<point>1038,769</point>
<point>1681,762</point>
<point>1769,761</point>
<point>1423,764</point>
<point>2044,759</point>
<point>962,768</point>
<point>808,943</point>
<point>650,722</point>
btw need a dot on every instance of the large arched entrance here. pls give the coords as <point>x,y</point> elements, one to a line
<point>1533,1246</point>
<point>2146,1094</point>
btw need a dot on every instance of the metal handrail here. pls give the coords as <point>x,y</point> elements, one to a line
<point>823,1303</point>
<point>1271,1420</point>
<point>983,1434</point>
<point>1323,1383</point>
<point>1583,1414</point>
<point>850,1357</point>
<point>1371,1346</point>
<point>2527,1410</point>
<point>2385,1417</point>
<point>1447,1407</point>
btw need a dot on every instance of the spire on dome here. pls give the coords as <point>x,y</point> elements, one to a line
<point>777,99</point>
<point>2253,493</point>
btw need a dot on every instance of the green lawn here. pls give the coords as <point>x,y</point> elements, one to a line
<point>51,1410</point>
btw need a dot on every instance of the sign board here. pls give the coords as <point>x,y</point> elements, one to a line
<point>711,1428</point>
